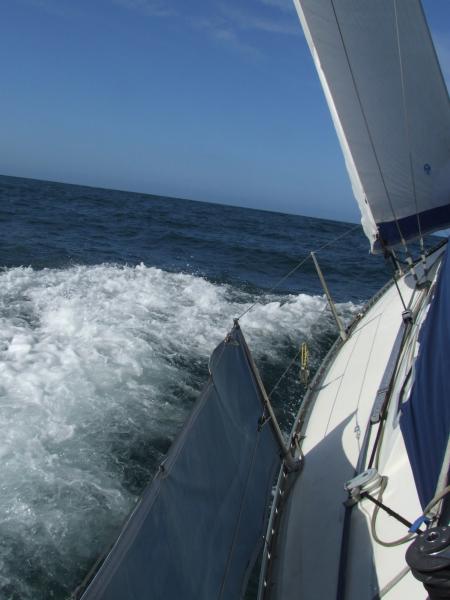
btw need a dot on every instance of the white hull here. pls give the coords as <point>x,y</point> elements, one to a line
<point>314,550</point>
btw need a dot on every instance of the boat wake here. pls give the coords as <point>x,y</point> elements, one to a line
<point>99,366</point>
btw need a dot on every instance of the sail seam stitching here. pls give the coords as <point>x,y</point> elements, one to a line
<point>366,123</point>
<point>406,122</point>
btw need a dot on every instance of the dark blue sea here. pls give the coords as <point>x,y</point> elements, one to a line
<point>110,305</point>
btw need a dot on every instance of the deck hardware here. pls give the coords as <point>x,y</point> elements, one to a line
<point>304,363</point>
<point>368,481</point>
<point>429,559</point>
<point>378,405</point>
<point>341,327</point>
<point>418,522</point>
<point>263,419</point>
<point>407,316</point>
<point>383,392</point>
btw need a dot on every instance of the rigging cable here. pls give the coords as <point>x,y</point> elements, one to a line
<point>378,504</point>
<point>282,280</point>
<point>406,121</point>
<point>297,267</point>
<point>391,584</point>
<point>369,133</point>
<point>300,354</point>
<point>283,375</point>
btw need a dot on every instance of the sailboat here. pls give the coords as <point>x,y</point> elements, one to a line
<point>355,504</point>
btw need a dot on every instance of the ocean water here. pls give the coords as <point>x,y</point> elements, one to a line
<point>110,304</point>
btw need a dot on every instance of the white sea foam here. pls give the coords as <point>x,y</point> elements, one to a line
<point>98,367</point>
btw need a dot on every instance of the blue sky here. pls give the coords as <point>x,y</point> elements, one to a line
<point>208,99</point>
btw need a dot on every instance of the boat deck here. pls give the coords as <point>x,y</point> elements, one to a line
<point>306,561</point>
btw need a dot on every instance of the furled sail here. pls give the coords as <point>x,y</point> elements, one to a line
<point>425,417</point>
<point>196,531</point>
<point>390,107</point>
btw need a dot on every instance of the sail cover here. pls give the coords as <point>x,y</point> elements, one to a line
<point>390,107</point>
<point>197,529</point>
<point>425,419</point>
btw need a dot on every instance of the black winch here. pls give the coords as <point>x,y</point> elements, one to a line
<point>429,559</point>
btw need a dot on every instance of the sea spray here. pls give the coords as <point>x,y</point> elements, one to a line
<point>102,358</point>
<point>99,366</point>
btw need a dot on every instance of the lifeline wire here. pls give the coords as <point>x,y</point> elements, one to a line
<point>291,272</point>
<point>285,372</point>
<point>289,367</point>
<point>297,267</point>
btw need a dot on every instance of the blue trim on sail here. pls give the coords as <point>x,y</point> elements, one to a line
<point>425,420</point>
<point>431,220</point>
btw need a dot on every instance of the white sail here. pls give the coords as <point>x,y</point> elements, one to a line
<point>390,107</point>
